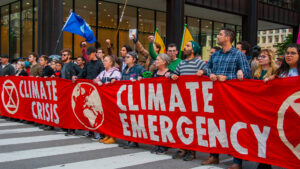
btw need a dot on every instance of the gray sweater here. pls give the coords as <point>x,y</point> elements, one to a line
<point>7,70</point>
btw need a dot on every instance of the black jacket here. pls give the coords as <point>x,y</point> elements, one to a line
<point>22,73</point>
<point>7,70</point>
<point>47,71</point>
<point>69,69</point>
<point>91,70</point>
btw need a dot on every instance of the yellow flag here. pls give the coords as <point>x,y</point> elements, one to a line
<point>159,40</point>
<point>186,37</point>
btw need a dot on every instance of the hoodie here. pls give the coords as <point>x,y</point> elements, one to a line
<point>107,75</point>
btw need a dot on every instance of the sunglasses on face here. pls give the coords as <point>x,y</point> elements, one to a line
<point>262,56</point>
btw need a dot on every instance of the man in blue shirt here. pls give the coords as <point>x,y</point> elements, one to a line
<point>226,64</point>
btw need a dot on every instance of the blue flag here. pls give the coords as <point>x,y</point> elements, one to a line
<point>75,24</point>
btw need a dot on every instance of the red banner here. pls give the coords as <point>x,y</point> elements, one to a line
<point>249,120</point>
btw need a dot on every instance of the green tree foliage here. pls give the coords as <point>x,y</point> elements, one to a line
<point>281,47</point>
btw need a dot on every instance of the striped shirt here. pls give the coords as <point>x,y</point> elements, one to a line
<point>228,64</point>
<point>189,67</point>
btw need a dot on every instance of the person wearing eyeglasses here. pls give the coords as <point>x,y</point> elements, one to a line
<point>100,54</point>
<point>266,65</point>
<point>291,63</point>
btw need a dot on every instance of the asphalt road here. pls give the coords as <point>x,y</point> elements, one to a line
<point>24,146</point>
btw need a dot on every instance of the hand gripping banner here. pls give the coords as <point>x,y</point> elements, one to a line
<point>250,120</point>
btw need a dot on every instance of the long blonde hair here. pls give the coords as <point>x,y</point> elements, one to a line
<point>271,70</point>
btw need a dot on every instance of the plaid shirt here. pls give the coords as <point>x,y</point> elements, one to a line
<point>228,64</point>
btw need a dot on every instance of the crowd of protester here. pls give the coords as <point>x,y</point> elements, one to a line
<point>225,63</point>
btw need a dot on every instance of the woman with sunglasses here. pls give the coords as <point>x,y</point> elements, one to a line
<point>291,63</point>
<point>266,65</point>
<point>133,72</point>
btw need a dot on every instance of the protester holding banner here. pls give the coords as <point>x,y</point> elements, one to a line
<point>267,66</point>
<point>47,70</point>
<point>58,67</point>
<point>228,63</point>
<point>6,69</point>
<point>132,71</point>
<point>190,66</point>
<point>162,62</point>
<point>36,69</point>
<point>21,69</point>
<point>109,75</point>
<point>291,63</point>
<point>91,71</point>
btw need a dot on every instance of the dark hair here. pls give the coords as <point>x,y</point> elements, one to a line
<point>216,48</point>
<point>69,51</point>
<point>59,62</point>
<point>245,46</point>
<point>34,55</point>
<point>103,51</point>
<point>157,46</point>
<point>81,43</point>
<point>45,57</point>
<point>82,58</point>
<point>229,32</point>
<point>171,45</point>
<point>255,51</point>
<point>128,48</point>
<point>284,68</point>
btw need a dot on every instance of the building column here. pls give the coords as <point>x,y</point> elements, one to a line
<point>50,23</point>
<point>295,33</point>
<point>175,21</point>
<point>250,24</point>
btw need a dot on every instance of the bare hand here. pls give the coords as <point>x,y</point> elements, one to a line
<point>200,73</point>
<point>174,77</point>
<point>134,36</point>
<point>151,38</point>
<point>139,78</point>
<point>96,80</point>
<point>108,43</point>
<point>222,78</point>
<point>213,77</point>
<point>74,78</point>
<point>240,75</point>
<point>167,75</point>
<point>52,76</point>
<point>113,81</point>
<point>269,78</point>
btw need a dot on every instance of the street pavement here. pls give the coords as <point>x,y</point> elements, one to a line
<point>24,146</point>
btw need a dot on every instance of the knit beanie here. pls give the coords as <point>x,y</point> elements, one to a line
<point>196,47</point>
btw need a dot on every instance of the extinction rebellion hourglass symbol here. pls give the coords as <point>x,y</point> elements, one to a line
<point>10,97</point>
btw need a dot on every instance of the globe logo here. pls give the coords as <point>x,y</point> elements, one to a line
<point>87,106</point>
<point>288,123</point>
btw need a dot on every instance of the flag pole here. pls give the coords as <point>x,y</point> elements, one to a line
<point>61,31</point>
<point>179,56</point>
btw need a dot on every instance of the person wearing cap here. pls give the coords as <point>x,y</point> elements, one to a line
<point>6,69</point>
<point>91,70</point>
<point>226,64</point>
<point>132,71</point>
<point>190,66</point>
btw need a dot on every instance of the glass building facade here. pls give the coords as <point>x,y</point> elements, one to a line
<point>19,26</point>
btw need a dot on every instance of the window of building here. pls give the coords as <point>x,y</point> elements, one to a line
<point>217,28</point>
<point>146,26</point>
<point>193,26</point>
<point>264,39</point>
<point>107,24</point>
<point>27,28</point>
<point>161,24</point>
<point>276,39</point>
<point>270,39</point>
<point>5,29</point>
<point>14,39</point>
<point>206,31</point>
<point>87,11</point>
<point>238,33</point>
<point>67,37</point>
<point>128,22</point>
